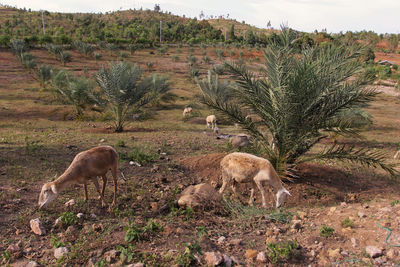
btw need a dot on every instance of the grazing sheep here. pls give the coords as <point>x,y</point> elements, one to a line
<point>85,167</point>
<point>239,141</point>
<point>211,121</point>
<point>243,167</point>
<point>187,111</point>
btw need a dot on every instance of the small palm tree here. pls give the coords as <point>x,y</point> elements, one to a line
<point>78,92</point>
<point>123,89</point>
<point>65,57</point>
<point>44,74</point>
<point>300,99</point>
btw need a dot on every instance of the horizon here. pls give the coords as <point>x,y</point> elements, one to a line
<point>314,15</point>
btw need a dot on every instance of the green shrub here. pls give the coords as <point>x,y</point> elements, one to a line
<point>326,231</point>
<point>282,251</point>
<point>139,156</point>
<point>68,219</point>
<point>347,223</point>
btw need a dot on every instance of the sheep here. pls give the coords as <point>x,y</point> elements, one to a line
<point>243,167</point>
<point>187,111</point>
<point>211,121</point>
<point>239,141</point>
<point>85,167</point>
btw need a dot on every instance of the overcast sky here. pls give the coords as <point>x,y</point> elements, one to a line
<point>305,15</point>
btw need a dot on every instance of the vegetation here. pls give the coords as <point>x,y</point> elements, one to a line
<point>123,90</point>
<point>282,251</point>
<point>293,122</point>
<point>326,231</point>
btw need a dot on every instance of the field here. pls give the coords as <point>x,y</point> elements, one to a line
<point>39,137</point>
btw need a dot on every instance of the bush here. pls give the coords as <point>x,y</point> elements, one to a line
<point>68,219</point>
<point>326,231</point>
<point>283,251</point>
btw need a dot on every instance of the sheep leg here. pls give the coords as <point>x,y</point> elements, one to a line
<point>225,180</point>
<point>96,184</point>
<point>261,188</point>
<point>85,191</point>
<point>251,200</point>
<point>114,174</point>
<point>104,184</point>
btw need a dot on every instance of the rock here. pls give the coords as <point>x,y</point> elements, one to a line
<point>361,214</point>
<point>154,206</point>
<point>313,253</point>
<point>397,155</point>
<point>221,240</point>
<point>373,251</point>
<point>60,252</point>
<point>259,232</point>
<point>37,227</point>
<point>102,140</point>
<point>70,203</point>
<point>14,248</point>
<point>227,261</point>
<point>111,255</point>
<point>213,258</point>
<point>155,168</point>
<point>91,262</point>
<point>240,140</point>
<point>354,242</point>
<point>138,264</point>
<point>302,215</point>
<point>199,197</point>
<point>134,163</point>
<point>334,253</point>
<point>93,216</point>
<point>32,264</point>
<point>251,254</point>
<point>261,257</point>
<point>344,253</point>
<point>80,215</point>
<point>70,230</point>
<point>296,224</point>
<point>271,239</point>
<point>236,242</point>
<point>391,253</point>
<point>97,227</point>
<point>343,204</point>
<point>332,209</point>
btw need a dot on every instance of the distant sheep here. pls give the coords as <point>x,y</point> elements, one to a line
<point>243,167</point>
<point>211,121</point>
<point>187,111</point>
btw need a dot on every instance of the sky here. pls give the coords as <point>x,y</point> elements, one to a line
<point>303,15</point>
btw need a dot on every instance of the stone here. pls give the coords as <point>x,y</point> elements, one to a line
<point>97,227</point>
<point>80,215</point>
<point>361,214</point>
<point>334,253</point>
<point>93,216</point>
<point>391,253</point>
<point>221,240</point>
<point>70,230</point>
<point>102,140</point>
<point>343,204</point>
<point>213,258</point>
<point>373,251</point>
<point>199,197</point>
<point>32,264</point>
<point>137,264</point>
<point>354,242</point>
<point>60,252</point>
<point>296,224</point>
<point>261,257</point>
<point>227,261</point>
<point>332,209</point>
<point>236,242</point>
<point>14,248</point>
<point>251,254</point>
<point>91,262</point>
<point>57,222</point>
<point>154,206</point>
<point>239,141</point>
<point>302,215</point>
<point>70,203</point>
<point>397,155</point>
<point>259,232</point>
<point>37,227</point>
<point>111,255</point>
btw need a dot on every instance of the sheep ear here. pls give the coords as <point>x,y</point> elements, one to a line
<point>53,188</point>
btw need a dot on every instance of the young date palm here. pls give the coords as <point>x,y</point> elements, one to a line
<point>300,98</point>
<point>123,89</point>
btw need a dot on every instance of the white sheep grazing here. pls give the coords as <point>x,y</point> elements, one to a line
<point>187,111</point>
<point>243,167</point>
<point>211,121</point>
<point>239,141</point>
